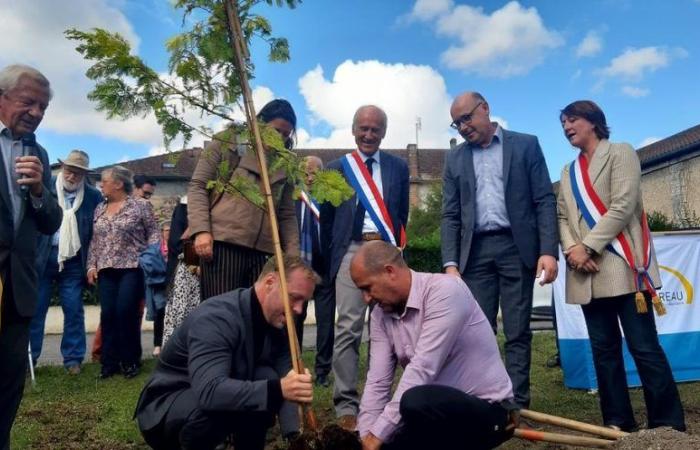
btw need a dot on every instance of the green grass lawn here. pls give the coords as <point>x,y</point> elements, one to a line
<point>64,412</point>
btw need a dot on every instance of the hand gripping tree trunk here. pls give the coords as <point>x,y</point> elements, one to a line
<point>241,55</point>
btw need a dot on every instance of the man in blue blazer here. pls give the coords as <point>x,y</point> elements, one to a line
<point>62,258</point>
<point>343,231</point>
<point>499,225</point>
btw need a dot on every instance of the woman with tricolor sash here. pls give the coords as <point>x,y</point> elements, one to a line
<point>612,270</point>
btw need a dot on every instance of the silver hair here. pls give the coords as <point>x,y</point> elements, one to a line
<point>363,107</point>
<point>121,173</point>
<point>12,74</point>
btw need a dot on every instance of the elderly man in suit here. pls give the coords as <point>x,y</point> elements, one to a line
<point>27,208</point>
<point>379,179</point>
<point>324,296</point>
<point>499,225</point>
<point>62,257</point>
<point>226,368</point>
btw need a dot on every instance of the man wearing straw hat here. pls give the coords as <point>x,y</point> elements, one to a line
<point>61,259</point>
<point>226,368</point>
<point>454,390</point>
<point>27,208</point>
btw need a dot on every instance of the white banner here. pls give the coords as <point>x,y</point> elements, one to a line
<point>678,256</point>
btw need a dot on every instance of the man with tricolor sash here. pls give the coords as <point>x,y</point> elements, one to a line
<point>308,216</point>
<point>378,211</point>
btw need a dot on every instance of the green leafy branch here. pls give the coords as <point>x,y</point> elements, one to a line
<point>201,76</point>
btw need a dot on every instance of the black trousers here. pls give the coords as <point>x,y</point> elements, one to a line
<point>660,393</point>
<point>158,323</point>
<point>231,267</point>
<point>496,275</point>
<point>14,342</point>
<point>185,426</point>
<point>324,306</point>
<point>442,417</point>
<point>121,291</point>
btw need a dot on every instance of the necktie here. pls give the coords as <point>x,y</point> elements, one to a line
<point>359,218</point>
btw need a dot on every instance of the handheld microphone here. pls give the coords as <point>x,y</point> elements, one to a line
<point>28,144</point>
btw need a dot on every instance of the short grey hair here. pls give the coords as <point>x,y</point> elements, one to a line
<point>121,173</point>
<point>362,108</point>
<point>12,74</point>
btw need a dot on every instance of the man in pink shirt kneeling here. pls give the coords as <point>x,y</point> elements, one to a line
<point>454,390</point>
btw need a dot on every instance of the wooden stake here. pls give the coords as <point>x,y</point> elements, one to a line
<point>567,439</point>
<point>240,51</point>
<point>572,424</point>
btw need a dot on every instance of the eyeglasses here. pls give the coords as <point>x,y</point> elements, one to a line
<point>147,194</point>
<point>464,118</point>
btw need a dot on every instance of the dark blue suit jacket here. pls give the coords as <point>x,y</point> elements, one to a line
<point>530,201</point>
<point>84,216</point>
<point>336,223</point>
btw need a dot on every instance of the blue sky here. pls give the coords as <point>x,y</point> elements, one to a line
<point>637,59</point>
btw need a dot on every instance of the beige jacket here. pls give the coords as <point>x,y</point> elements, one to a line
<point>233,219</point>
<point>616,176</point>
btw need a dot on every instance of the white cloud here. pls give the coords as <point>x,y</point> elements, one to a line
<point>648,141</point>
<point>511,41</point>
<point>39,25</point>
<point>430,9</point>
<point>635,92</point>
<point>590,45</point>
<point>404,91</point>
<point>634,63</point>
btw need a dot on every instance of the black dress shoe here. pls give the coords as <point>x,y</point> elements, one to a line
<point>106,372</point>
<point>322,380</point>
<point>130,371</point>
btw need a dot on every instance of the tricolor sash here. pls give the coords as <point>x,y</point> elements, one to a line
<point>367,193</point>
<point>309,220</point>
<point>592,210</point>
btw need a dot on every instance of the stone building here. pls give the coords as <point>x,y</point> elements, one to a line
<point>172,171</point>
<point>670,174</point>
<point>671,177</point>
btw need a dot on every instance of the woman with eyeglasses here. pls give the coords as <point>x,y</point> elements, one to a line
<point>232,236</point>
<point>612,269</point>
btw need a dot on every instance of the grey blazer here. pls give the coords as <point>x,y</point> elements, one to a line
<point>211,352</point>
<point>530,201</point>
<point>617,178</point>
<point>18,245</point>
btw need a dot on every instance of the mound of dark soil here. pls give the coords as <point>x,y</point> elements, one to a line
<point>332,437</point>
<point>658,439</point>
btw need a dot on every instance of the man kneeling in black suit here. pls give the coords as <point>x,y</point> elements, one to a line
<point>226,369</point>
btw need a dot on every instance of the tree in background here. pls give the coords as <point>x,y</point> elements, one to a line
<point>202,77</point>
<point>423,252</point>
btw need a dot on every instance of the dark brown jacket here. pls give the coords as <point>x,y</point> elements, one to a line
<point>232,218</point>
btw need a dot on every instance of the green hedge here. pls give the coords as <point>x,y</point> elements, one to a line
<point>423,254</point>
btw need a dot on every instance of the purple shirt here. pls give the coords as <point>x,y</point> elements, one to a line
<point>118,241</point>
<point>441,338</point>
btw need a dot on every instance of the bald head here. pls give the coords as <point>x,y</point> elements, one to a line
<point>374,255</point>
<point>380,272</point>
<point>470,116</point>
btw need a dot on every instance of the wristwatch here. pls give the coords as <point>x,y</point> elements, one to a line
<point>589,251</point>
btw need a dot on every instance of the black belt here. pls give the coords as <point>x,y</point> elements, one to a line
<point>497,232</point>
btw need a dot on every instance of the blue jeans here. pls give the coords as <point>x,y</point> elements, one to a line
<point>71,281</point>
